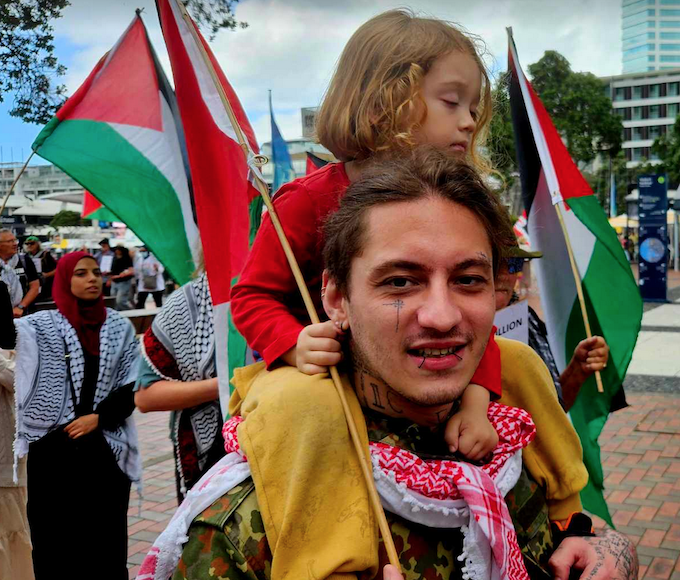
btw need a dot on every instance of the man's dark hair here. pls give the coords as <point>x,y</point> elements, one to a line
<point>423,173</point>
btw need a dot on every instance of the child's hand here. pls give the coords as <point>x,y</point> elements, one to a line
<point>471,434</point>
<point>318,348</point>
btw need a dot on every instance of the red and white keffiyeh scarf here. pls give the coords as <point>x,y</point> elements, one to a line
<point>440,493</point>
<point>455,480</point>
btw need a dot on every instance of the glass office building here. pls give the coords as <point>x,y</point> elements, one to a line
<point>650,35</point>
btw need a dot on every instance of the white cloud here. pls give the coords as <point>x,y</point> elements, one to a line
<point>291,46</point>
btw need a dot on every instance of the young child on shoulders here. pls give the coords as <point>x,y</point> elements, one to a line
<point>401,81</point>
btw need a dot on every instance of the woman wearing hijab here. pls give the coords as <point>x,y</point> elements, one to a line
<point>74,375</point>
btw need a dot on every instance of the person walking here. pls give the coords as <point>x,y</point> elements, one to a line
<point>122,273</point>
<point>76,367</point>
<point>45,266</point>
<point>149,272</point>
<point>19,273</point>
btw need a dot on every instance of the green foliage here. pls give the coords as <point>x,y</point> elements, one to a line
<point>667,147</point>
<point>501,140</point>
<point>66,218</point>
<point>579,107</point>
<point>214,15</point>
<point>29,70</point>
<point>28,67</point>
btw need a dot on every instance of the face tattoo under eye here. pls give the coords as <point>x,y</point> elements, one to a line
<point>398,304</point>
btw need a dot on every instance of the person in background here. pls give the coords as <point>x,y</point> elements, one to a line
<point>45,265</point>
<point>122,274</point>
<point>177,373</point>
<point>15,539</point>
<point>105,264</point>
<point>19,273</point>
<point>149,272</point>
<point>590,355</point>
<point>77,366</point>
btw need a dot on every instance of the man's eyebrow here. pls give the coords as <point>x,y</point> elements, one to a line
<point>391,265</point>
<point>481,260</point>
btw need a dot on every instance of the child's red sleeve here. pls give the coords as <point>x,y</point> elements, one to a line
<point>488,373</point>
<point>261,300</point>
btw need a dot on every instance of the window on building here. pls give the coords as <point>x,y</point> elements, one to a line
<point>654,131</point>
<point>638,134</point>
<point>669,35</point>
<point>637,113</point>
<point>673,89</point>
<point>669,2</point>
<point>636,6</point>
<point>631,52</point>
<point>620,94</point>
<point>669,24</point>
<point>663,12</point>
<point>637,18</point>
<point>654,111</point>
<point>654,91</point>
<point>669,58</point>
<point>637,92</point>
<point>672,110</point>
<point>636,154</point>
<point>669,47</point>
<point>651,58</point>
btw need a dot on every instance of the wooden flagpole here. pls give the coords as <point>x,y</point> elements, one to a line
<point>16,179</point>
<point>579,285</point>
<point>262,187</point>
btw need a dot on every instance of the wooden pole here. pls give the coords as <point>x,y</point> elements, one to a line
<point>16,179</point>
<point>262,187</point>
<point>579,287</point>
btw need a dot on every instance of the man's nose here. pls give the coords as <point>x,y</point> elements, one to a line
<point>440,310</point>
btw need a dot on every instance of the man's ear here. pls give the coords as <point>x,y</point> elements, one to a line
<point>333,300</point>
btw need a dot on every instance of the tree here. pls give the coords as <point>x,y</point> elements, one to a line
<point>667,147</point>
<point>66,218</point>
<point>29,69</point>
<point>501,141</point>
<point>579,107</point>
<point>28,66</point>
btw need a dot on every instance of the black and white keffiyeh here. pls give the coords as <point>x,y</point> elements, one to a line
<point>11,278</point>
<point>185,329</point>
<point>43,395</point>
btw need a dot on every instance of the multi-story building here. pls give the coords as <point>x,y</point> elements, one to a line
<point>648,104</point>
<point>650,35</point>
<point>37,180</point>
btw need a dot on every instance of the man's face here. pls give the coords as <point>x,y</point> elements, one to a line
<point>32,247</point>
<point>105,247</point>
<point>505,285</point>
<point>421,298</point>
<point>8,245</point>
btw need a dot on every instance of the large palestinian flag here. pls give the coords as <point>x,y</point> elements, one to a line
<point>551,182</point>
<point>222,180</point>
<point>120,137</point>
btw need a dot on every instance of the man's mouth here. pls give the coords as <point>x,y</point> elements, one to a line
<point>438,352</point>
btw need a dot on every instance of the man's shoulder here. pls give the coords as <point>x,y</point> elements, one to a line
<point>228,538</point>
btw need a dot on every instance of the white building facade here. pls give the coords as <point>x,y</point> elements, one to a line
<point>648,104</point>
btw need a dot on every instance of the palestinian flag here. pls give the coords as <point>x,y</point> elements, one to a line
<point>222,179</point>
<point>551,182</point>
<point>120,138</point>
<point>314,163</point>
<point>93,209</point>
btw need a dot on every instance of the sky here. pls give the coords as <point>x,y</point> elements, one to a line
<point>291,46</point>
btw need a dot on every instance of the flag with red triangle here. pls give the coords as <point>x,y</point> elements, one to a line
<point>221,177</point>
<point>120,137</point>
<point>551,182</point>
<point>314,162</point>
<point>93,209</point>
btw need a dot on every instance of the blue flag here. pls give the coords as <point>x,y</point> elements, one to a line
<point>283,166</point>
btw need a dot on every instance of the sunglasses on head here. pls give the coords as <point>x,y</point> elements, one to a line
<point>515,265</point>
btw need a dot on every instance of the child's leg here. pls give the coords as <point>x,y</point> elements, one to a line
<point>307,476</point>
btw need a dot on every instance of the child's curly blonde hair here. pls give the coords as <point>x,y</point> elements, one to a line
<point>373,103</point>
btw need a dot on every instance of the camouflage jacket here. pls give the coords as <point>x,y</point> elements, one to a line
<point>228,540</point>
